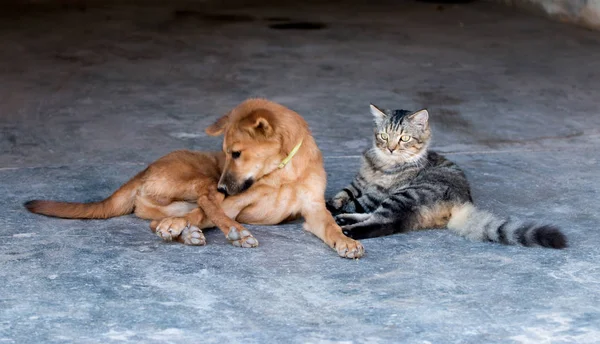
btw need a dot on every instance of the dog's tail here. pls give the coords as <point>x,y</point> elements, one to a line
<point>480,225</point>
<point>121,202</point>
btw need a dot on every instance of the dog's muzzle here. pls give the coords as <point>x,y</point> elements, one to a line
<point>228,188</point>
<point>222,189</point>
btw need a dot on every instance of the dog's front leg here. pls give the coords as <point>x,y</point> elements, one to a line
<point>320,222</point>
<point>222,214</point>
<point>187,229</point>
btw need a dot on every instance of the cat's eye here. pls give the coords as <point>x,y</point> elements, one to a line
<point>404,138</point>
<point>383,136</point>
<point>236,155</point>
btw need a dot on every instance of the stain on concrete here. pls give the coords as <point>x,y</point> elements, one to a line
<point>431,98</point>
<point>12,139</point>
<point>212,17</point>
<point>229,18</point>
<point>299,26</point>
<point>84,58</point>
<point>447,1</point>
<point>278,19</point>
<point>450,120</point>
<point>497,142</point>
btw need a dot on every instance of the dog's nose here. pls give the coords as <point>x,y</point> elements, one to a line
<point>222,189</point>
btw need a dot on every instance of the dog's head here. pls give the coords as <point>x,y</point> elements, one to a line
<point>255,142</point>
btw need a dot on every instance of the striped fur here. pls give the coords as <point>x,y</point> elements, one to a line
<point>401,186</point>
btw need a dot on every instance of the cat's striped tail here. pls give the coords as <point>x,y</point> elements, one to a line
<point>480,225</point>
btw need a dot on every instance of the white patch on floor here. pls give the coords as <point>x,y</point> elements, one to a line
<point>187,135</point>
<point>557,329</point>
<point>170,334</point>
<point>23,235</point>
<point>119,335</point>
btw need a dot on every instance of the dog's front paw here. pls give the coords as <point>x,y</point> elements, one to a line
<point>349,248</point>
<point>169,228</point>
<point>241,238</point>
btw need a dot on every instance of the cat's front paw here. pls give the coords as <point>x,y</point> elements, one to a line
<point>333,206</point>
<point>348,232</point>
<point>337,203</point>
<point>342,221</point>
<point>350,218</point>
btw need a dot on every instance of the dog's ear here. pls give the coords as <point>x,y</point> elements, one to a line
<point>218,127</point>
<point>259,122</point>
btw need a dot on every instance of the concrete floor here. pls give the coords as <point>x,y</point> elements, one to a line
<point>90,96</point>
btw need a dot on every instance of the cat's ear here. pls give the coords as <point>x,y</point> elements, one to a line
<point>378,113</point>
<point>420,118</point>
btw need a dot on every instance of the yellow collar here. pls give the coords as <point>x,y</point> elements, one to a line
<point>290,156</point>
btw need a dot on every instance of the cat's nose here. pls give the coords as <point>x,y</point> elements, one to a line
<point>391,150</point>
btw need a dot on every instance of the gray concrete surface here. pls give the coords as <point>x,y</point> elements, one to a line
<point>89,96</point>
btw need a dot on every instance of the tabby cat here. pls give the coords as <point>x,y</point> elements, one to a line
<point>402,186</point>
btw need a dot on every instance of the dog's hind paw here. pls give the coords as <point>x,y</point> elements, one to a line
<point>169,228</point>
<point>241,238</point>
<point>192,236</point>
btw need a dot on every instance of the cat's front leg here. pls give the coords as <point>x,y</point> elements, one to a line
<point>338,202</point>
<point>351,218</point>
<point>367,226</point>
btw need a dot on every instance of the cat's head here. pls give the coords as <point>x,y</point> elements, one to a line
<point>401,135</point>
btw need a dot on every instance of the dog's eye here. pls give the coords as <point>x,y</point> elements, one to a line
<point>236,155</point>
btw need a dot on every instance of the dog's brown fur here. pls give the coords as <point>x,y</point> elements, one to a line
<point>179,191</point>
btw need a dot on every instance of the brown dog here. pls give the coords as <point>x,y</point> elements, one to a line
<point>271,170</point>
